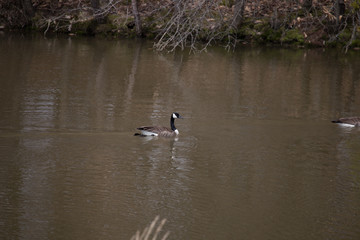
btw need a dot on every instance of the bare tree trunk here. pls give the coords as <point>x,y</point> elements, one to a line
<point>95,4</point>
<point>307,4</point>
<point>28,8</point>
<point>54,4</point>
<point>177,6</point>
<point>134,4</point>
<point>238,13</point>
<point>339,10</point>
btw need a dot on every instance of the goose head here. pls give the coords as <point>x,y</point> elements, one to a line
<point>176,115</point>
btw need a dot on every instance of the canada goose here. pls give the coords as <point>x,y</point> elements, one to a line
<point>350,121</point>
<point>160,131</point>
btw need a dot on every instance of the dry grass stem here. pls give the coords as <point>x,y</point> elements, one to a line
<point>149,230</point>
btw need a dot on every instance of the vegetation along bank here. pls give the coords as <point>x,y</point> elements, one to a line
<point>194,23</point>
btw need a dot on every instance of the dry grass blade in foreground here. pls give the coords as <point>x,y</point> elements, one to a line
<point>145,235</point>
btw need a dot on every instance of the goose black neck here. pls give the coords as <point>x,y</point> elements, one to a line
<point>172,124</point>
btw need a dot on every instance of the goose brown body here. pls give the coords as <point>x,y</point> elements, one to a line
<point>157,131</point>
<point>160,131</point>
<point>355,121</point>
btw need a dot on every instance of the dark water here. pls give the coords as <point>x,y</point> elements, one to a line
<point>257,156</point>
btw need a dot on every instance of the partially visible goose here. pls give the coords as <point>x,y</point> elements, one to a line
<point>160,131</point>
<point>350,121</point>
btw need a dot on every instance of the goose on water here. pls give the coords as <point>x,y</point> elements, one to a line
<point>160,131</point>
<point>349,121</point>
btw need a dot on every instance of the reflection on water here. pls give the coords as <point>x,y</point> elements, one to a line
<point>257,156</point>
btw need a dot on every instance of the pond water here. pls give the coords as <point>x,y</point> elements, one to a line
<point>257,156</point>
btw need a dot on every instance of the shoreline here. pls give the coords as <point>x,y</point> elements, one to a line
<point>200,26</point>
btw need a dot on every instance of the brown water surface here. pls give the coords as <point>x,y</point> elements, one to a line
<point>257,156</point>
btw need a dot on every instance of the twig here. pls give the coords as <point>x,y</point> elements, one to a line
<point>353,35</point>
<point>145,235</point>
